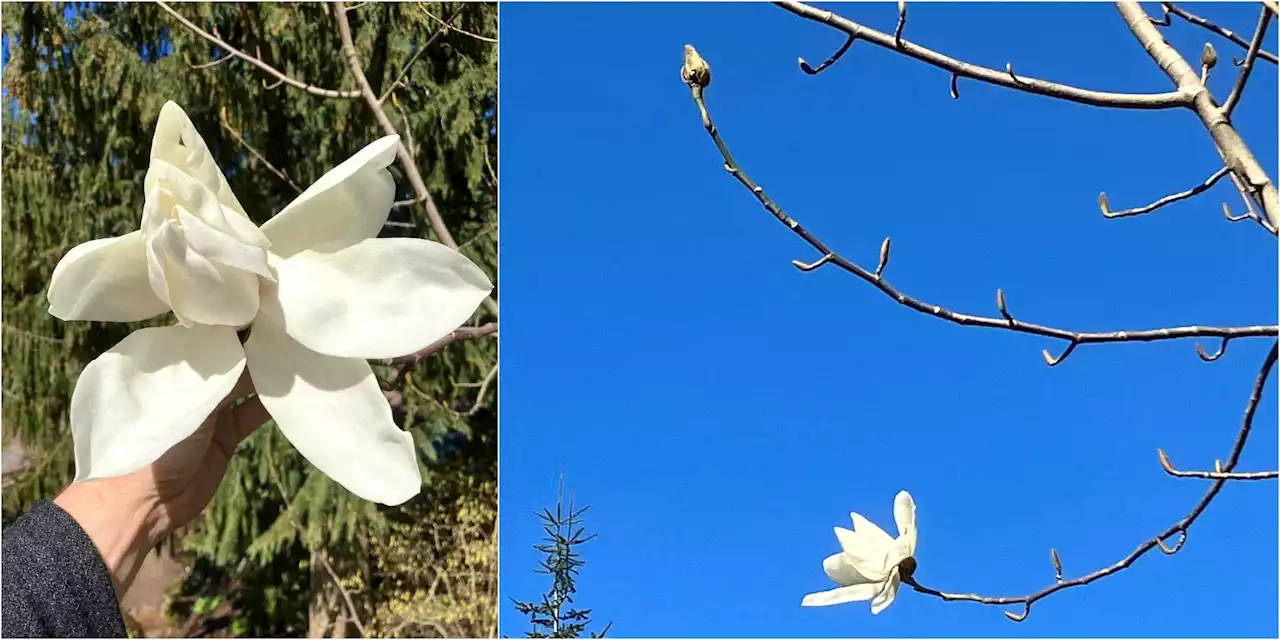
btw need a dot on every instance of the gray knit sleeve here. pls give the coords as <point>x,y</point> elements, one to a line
<point>54,582</point>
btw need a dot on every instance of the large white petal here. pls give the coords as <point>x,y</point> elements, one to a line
<point>904,512</point>
<point>381,298</point>
<point>334,413</point>
<point>148,393</point>
<point>841,595</point>
<point>869,532</point>
<point>348,204</point>
<point>177,142</point>
<point>842,571</point>
<point>887,594</point>
<point>104,280</point>
<point>199,291</point>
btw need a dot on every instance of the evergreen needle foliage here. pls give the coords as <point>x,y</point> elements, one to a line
<point>554,616</point>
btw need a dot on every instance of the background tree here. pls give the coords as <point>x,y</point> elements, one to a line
<point>553,615</point>
<point>1256,189</point>
<point>281,93</point>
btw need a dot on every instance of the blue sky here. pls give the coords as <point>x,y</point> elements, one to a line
<point>722,411</point>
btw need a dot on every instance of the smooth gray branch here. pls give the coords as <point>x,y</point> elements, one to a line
<point>959,68</point>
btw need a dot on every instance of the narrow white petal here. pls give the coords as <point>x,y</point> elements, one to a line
<point>199,291</point>
<point>842,571</point>
<point>866,548</point>
<point>855,593</point>
<point>904,512</point>
<point>348,204</point>
<point>148,393</point>
<point>104,280</point>
<point>381,298</point>
<point>887,594</point>
<point>169,187</point>
<point>334,413</point>
<point>177,142</point>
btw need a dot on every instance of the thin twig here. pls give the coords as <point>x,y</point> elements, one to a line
<point>1169,199</point>
<point>462,333</point>
<point>8,328</point>
<point>324,561</point>
<point>458,29</point>
<point>1246,69</point>
<point>257,62</point>
<point>404,71</point>
<point>226,125</point>
<point>1178,528</point>
<point>206,65</point>
<point>479,234</point>
<point>1172,9</point>
<point>1213,475</point>
<point>484,387</point>
<point>1001,78</point>
<point>410,168</point>
<point>877,280</point>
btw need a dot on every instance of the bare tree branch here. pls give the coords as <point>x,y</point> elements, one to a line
<point>448,26</point>
<point>257,62</point>
<point>1006,321</point>
<point>1250,58</point>
<point>1180,98</point>
<point>406,160</point>
<point>1214,475</point>
<point>1171,9</point>
<point>1169,199</point>
<point>1178,528</point>
<point>1235,153</point>
<point>462,333</point>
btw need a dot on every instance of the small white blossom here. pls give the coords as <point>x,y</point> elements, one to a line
<point>870,565</point>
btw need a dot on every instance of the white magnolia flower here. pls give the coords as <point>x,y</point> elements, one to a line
<point>872,564</point>
<point>321,292</point>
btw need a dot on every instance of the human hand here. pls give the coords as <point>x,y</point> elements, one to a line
<point>127,515</point>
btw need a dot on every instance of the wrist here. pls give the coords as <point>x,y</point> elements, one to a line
<point>123,523</point>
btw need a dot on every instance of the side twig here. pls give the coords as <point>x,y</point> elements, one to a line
<point>257,62</point>
<point>226,125</point>
<point>1172,9</point>
<point>1213,475</point>
<point>1246,69</point>
<point>462,333</point>
<point>1169,199</point>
